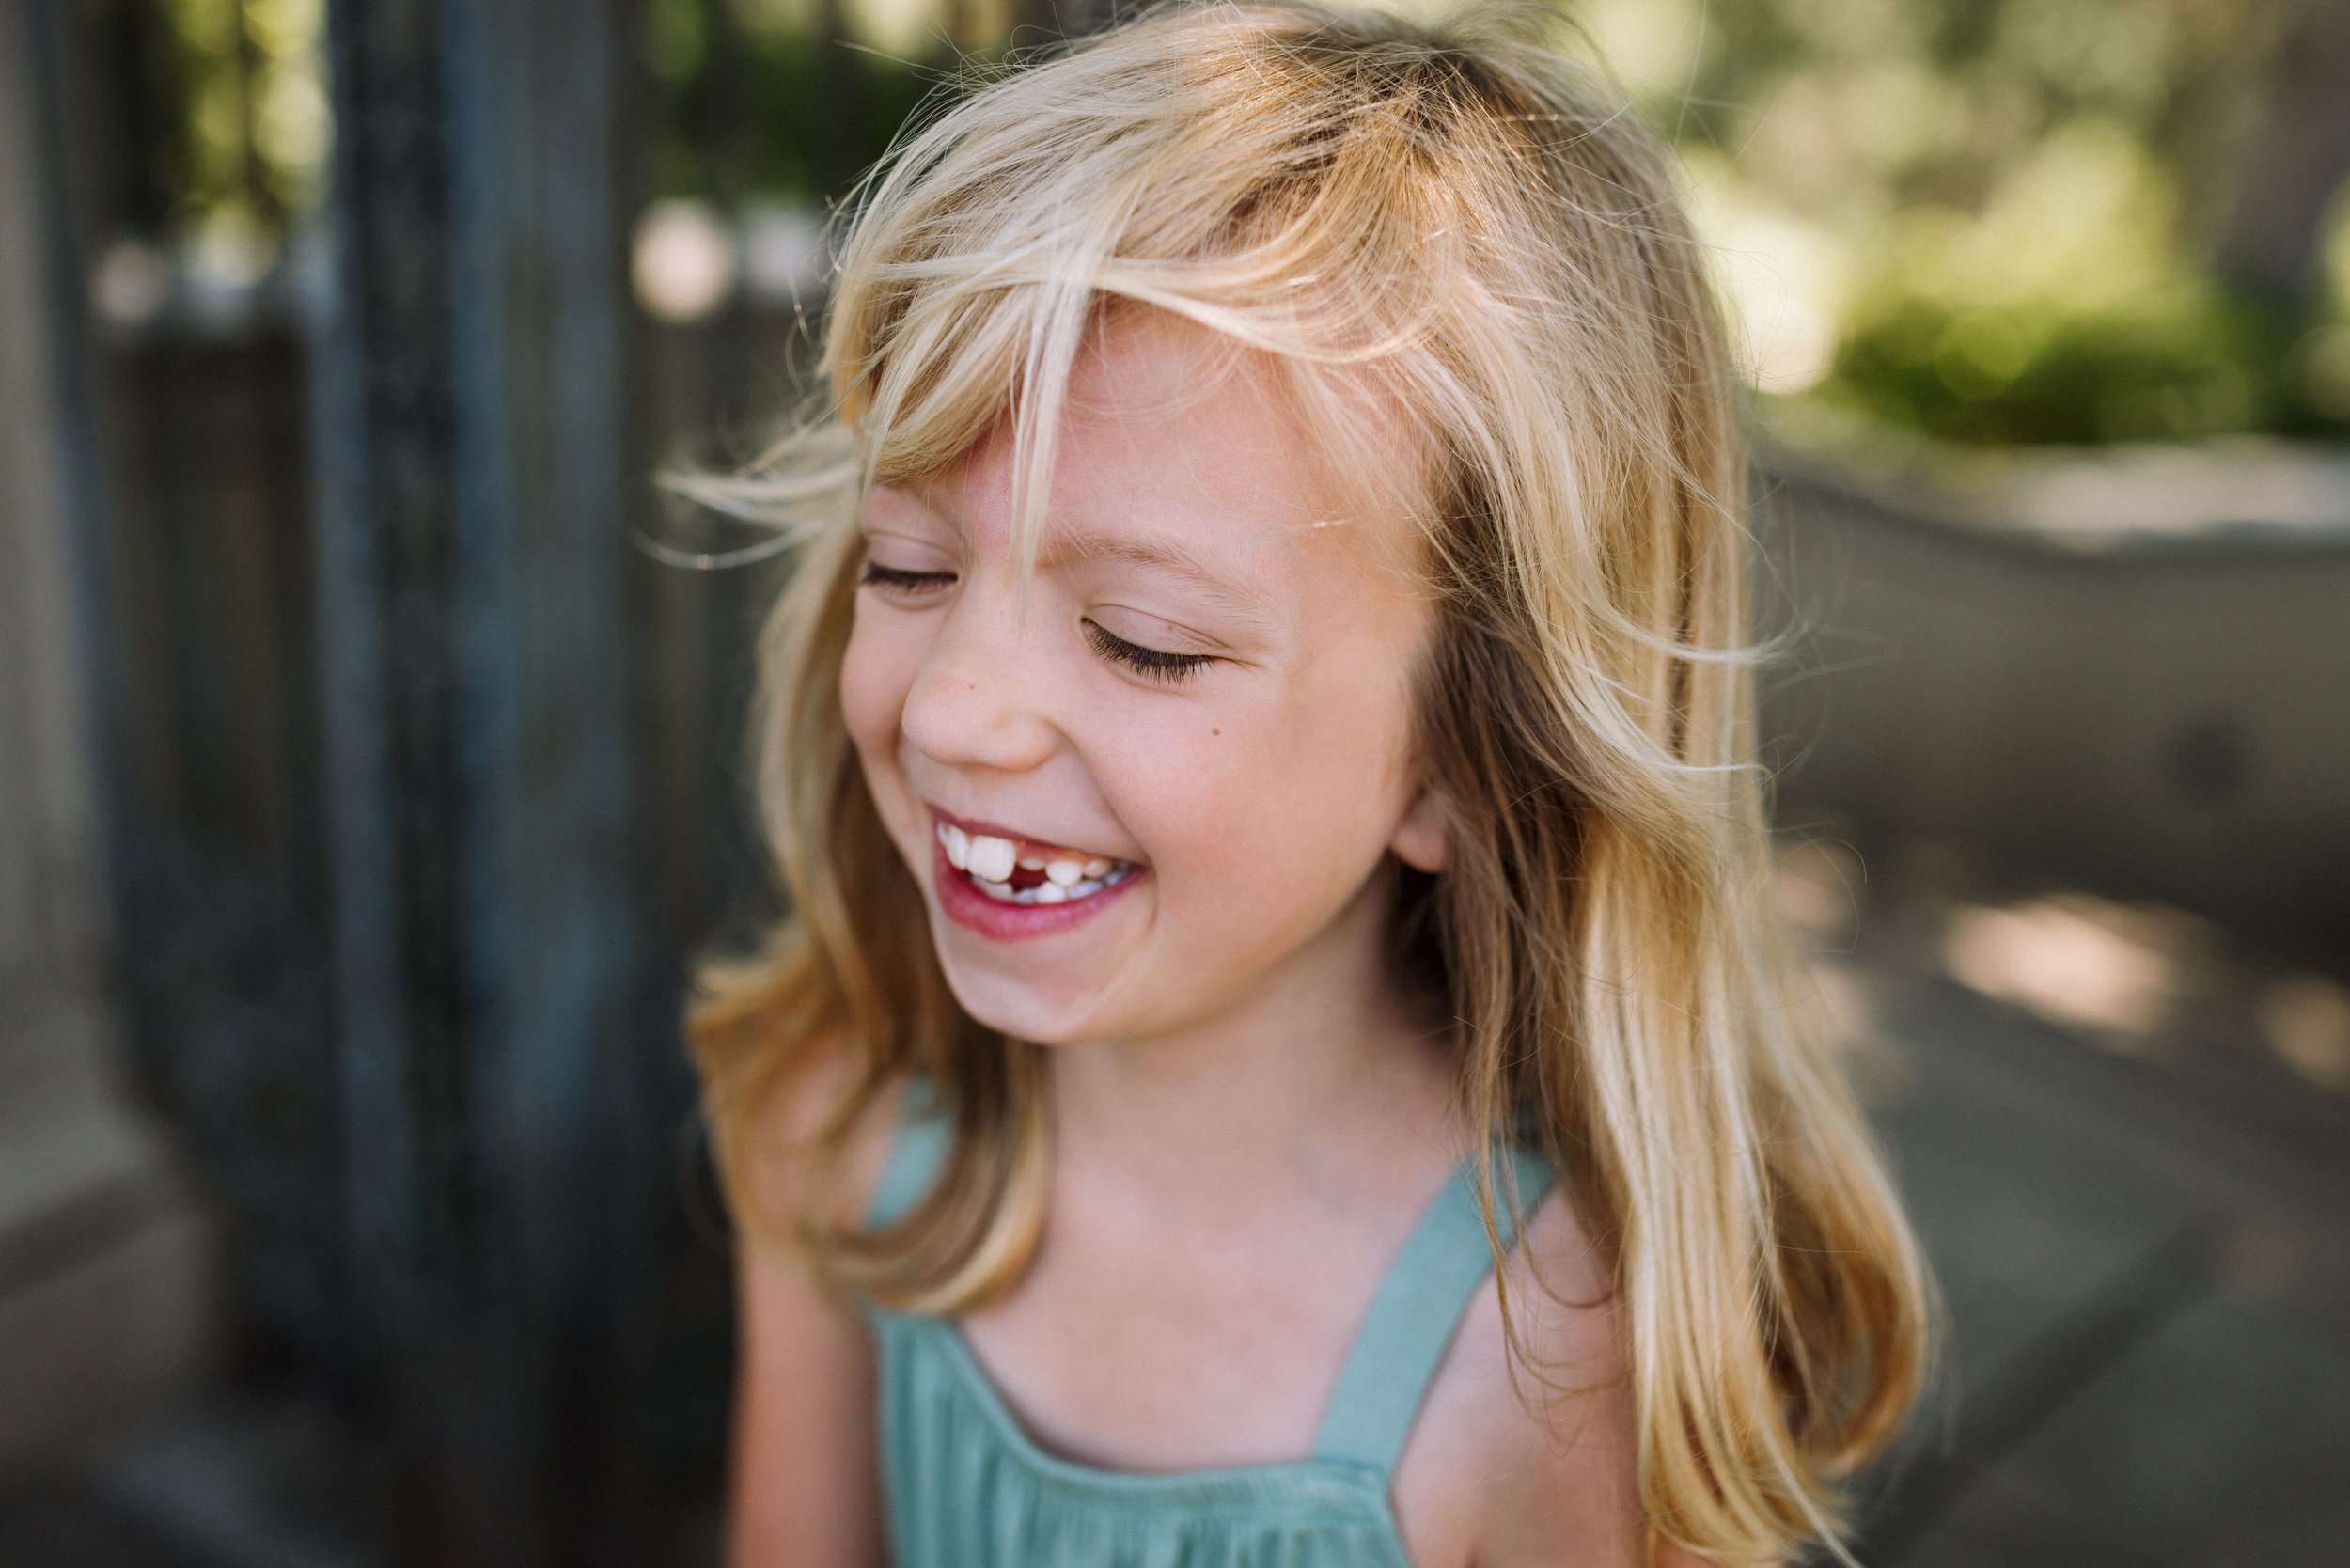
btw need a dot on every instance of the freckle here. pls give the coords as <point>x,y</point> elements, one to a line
<point>1216,732</point>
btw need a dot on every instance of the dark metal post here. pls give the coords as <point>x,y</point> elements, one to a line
<point>473,627</point>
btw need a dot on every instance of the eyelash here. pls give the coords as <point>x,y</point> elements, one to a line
<point>877,576</point>
<point>1172,668</point>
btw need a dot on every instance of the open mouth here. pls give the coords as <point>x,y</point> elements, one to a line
<point>1018,870</point>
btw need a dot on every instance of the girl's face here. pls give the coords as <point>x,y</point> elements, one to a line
<point>1159,789</point>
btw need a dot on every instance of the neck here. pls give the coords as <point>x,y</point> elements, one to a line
<point>1320,1076</point>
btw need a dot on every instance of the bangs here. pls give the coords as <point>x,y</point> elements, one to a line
<point>1278,198</point>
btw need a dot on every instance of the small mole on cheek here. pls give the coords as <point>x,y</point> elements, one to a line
<point>1216,732</point>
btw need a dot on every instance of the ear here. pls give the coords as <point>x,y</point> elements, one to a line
<point>1422,841</point>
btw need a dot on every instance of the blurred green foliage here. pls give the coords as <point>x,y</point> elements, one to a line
<point>2197,367</point>
<point>1982,220</point>
<point>1985,220</point>
<point>222,125</point>
<point>774,101</point>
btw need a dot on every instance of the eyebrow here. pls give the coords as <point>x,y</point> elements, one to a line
<point>1167,556</point>
<point>1160,556</point>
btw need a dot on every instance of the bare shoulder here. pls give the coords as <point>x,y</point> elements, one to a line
<point>803,1488</point>
<point>781,1135</point>
<point>1533,1462</point>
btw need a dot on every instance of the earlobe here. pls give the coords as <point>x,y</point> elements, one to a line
<point>1422,840</point>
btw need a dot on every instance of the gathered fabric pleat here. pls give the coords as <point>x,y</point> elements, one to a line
<point>969,1489</point>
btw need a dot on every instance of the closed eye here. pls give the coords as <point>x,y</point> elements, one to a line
<point>894,580</point>
<point>1172,668</point>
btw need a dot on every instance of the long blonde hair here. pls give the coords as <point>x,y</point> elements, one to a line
<point>1476,223</point>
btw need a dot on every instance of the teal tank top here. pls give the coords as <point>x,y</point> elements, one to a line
<point>967,1487</point>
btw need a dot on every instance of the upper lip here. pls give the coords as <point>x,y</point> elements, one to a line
<point>997,830</point>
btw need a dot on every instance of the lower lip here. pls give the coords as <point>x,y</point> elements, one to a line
<point>999,921</point>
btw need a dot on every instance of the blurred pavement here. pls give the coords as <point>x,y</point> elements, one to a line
<point>2144,1240</point>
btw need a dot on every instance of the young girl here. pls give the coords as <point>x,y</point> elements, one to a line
<point>1283,1051</point>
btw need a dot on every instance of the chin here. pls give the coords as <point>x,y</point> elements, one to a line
<point>1020,1010</point>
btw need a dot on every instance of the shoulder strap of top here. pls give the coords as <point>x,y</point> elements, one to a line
<point>917,1150</point>
<point>1412,1317</point>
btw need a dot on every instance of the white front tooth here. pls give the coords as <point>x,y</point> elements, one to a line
<point>1097,868</point>
<point>991,858</point>
<point>957,845</point>
<point>1001,891</point>
<point>1064,872</point>
<point>1050,892</point>
<point>1085,889</point>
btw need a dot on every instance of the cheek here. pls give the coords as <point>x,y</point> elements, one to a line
<point>1282,816</point>
<point>877,669</point>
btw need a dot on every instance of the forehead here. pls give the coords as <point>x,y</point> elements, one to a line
<point>1177,448</point>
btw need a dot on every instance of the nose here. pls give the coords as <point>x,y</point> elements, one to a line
<point>975,700</point>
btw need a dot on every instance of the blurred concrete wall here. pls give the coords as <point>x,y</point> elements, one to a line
<point>102,1254</point>
<point>2133,672</point>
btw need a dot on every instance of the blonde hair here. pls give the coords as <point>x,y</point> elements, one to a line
<point>1474,223</point>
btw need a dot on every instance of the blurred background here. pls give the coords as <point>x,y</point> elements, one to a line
<point>365,786</point>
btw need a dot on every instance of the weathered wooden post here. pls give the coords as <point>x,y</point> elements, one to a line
<point>492,979</point>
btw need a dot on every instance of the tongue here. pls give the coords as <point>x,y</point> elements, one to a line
<point>1023,877</point>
